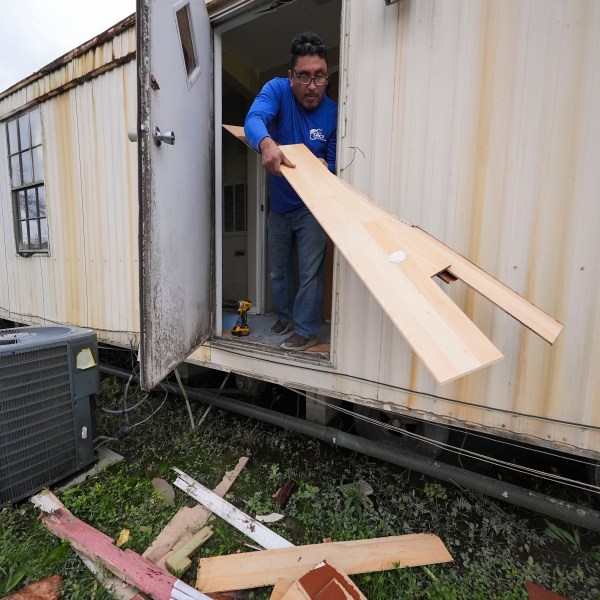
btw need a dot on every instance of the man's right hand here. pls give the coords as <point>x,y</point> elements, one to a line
<point>273,157</point>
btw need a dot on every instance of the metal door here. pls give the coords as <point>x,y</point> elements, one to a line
<point>175,132</point>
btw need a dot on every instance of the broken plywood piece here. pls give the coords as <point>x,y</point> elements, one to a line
<point>443,337</point>
<point>327,582</point>
<point>187,521</point>
<point>264,567</point>
<point>126,564</point>
<point>251,527</point>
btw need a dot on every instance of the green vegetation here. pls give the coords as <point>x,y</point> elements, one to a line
<point>339,494</point>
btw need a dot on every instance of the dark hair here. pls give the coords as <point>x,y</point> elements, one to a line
<point>307,44</point>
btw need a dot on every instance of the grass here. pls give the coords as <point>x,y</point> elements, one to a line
<point>496,547</point>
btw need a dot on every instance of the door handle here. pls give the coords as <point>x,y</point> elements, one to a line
<point>168,137</point>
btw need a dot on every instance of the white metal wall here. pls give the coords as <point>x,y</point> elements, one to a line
<point>90,277</point>
<point>480,122</point>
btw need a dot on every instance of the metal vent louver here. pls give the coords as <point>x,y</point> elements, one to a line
<point>41,411</point>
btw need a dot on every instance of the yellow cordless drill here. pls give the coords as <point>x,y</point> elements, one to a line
<point>242,328</point>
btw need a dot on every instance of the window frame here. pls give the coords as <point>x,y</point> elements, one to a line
<point>27,186</point>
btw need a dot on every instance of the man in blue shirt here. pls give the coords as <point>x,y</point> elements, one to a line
<point>295,110</point>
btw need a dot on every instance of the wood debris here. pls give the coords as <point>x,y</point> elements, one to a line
<point>132,568</point>
<point>44,589</point>
<point>282,495</point>
<point>324,582</point>
<point>264,567</point>
<point>187,521</point>
<point>256,531</point>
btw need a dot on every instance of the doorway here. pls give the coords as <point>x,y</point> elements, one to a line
<point>248,54</point>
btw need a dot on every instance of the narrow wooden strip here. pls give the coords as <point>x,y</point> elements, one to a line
<point>501,295</point>
<point>264,567</point>
<point>251,527</point>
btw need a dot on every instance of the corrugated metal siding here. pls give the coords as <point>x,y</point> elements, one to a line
<point>90,277</point>
<point>480,122</point>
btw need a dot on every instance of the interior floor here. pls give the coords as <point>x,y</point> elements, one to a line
<point>261,337</point>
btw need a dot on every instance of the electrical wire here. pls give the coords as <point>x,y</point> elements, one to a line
<point>124,411</point>
<point>151,415</point>
<point>461,451</point>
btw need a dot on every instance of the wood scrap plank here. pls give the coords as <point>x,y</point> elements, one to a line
<point>178,562</point>
<point>282,585</point>
<point>264,567</point>
<point>262,535</point>
<point>48,502</point>
<point>187,521</point>
<point>445,339</point>
<point>126,564</point>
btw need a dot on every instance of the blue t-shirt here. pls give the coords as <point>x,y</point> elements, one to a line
<point>275,113</point>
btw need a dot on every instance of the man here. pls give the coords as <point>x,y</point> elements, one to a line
<point>292,111</point>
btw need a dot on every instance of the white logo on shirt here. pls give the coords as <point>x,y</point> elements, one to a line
<point>316,134</point>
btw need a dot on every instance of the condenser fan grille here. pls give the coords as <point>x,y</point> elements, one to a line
<point>37,431</point>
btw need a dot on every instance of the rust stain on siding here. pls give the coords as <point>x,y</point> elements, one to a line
<point>71,251</point>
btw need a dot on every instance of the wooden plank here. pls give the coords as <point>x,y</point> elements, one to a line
<point>126,564</point>
<point>187,521</point>
<point>447,341</point>
<point>264,567</point>
<point>251,527</point>
<point>178,562</point>
<point>46,501</point>
<point>282,585</point>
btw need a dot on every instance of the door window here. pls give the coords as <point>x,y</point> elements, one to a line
<point>186,39</point>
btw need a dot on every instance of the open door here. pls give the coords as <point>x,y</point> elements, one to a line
<point>175,133</point>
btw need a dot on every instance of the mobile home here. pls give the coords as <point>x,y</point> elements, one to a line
<point>477,121</point>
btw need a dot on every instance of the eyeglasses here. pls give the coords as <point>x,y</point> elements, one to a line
<point>307,79</point>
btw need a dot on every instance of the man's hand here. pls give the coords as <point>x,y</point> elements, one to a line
<point>273,157</point>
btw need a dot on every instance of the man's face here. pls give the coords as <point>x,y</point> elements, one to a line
<point>308,96</point>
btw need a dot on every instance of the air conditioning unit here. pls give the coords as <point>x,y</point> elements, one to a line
<point>48,378</point>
